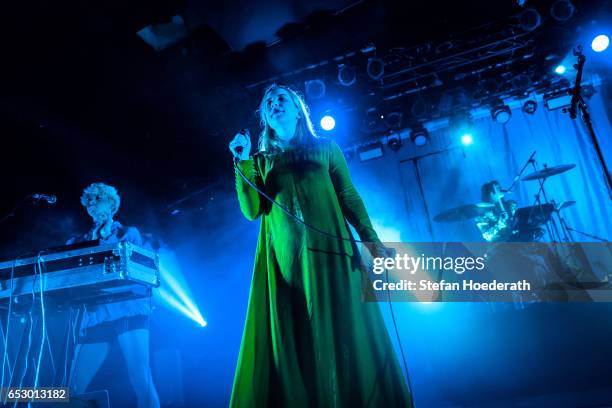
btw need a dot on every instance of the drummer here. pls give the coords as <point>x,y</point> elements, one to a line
<point>496,225</point>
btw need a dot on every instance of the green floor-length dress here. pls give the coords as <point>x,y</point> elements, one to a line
<point>309,340</point>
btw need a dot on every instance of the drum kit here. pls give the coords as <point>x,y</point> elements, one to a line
<point>528,223</point>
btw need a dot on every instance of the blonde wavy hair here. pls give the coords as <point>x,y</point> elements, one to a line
<point>304,131</point>
<point>96,192</point>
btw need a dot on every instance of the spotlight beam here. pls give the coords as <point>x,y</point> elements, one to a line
<point>176,305</point>
<point>179,291</point>
<point>175,291</point>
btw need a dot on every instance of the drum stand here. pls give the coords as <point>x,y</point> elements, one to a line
<point>551,226</point>
<point>595,237</point>
<point>557,227</point>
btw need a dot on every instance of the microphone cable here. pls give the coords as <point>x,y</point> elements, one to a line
<point>298,219</point>
<point>288,211</point>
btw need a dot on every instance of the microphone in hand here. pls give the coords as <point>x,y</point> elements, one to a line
<point>240,145</point>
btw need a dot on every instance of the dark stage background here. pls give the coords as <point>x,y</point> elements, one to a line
<point>85,99</point>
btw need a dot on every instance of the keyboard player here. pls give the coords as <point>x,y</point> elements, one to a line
<point>124,322</point>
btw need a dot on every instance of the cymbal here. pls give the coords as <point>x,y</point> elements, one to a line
<point>464,212</point>
<point>548,171</point>
<point>565,204</point>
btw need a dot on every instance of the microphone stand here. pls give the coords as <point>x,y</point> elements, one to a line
<point>20,203</point>
<point>415,162</point>
<point>578,103</point>
<point>518,176</point>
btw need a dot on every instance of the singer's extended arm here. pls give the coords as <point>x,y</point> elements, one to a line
<point>248,197</point>
<point>352,206</point>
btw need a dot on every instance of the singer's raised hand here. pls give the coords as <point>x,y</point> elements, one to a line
<point>240,146</point>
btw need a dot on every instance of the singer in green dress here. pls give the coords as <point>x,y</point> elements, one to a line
<point>309,339</point>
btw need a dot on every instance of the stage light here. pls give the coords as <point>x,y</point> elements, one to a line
<point>462,124</point>
<point>375,68</point>
<point>501,114</point>
<point>558,100</point>
<point>393,120</point>
<point>394,142</point>
<point>315,88</point>
<point>560,69</point>
<point>370,152</point>
<point>467,139</point>
<point>347,75</point>
<point>530,106</point>
<point>328,122</point>
<point>530,19</point>
<point>600,43</point>
<point>562,10</point>
<point>419,136</point>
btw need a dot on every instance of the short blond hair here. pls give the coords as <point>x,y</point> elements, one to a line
<point>96,192</point>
